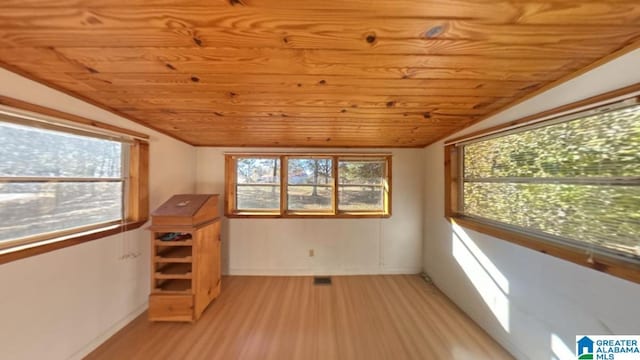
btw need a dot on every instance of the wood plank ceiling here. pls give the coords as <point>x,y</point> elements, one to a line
<point>309,73</point>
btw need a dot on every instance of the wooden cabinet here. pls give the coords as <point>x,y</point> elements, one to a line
<point>185,257</point>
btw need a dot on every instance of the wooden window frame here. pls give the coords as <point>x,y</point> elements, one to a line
<point>613,265</point>
<point>137,178</point>
<point>230,193</point>
<point>231,210</point>
<point>285,177</point>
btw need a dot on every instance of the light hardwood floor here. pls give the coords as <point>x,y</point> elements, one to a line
<point>358,317</point>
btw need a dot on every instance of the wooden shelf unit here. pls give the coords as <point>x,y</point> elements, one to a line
<point>185,271</point>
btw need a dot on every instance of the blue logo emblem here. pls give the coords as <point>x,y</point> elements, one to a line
<point>585,348</point>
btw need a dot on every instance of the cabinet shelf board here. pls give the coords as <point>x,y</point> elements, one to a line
<point>174,271</point>
<point>174,243</point>
<point>175,254</point>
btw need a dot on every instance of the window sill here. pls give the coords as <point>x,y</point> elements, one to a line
<point>41,247</point>
<point>607,264</point>
<point>302,215</point>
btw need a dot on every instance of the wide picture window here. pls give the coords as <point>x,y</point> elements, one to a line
<point>572,180</point>
<point>299,185</point>
<point>58,180</point>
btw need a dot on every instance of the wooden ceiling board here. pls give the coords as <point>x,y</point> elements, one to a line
<point>532,11</point>
<point>317,73</point>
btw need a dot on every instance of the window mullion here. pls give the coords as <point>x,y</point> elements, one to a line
<point>284,182</point>
<point>459,160</point>
<point>125,163</point>
<point>334,199</point>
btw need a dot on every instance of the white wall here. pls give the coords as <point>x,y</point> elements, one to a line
<point>542,301</point>
<point>62,304</point>
<point>342,246</point>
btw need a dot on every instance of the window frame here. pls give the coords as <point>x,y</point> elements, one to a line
<point>134,176</point>
<point>230,206</point>
<point>573,251</point>
<point>302,212</point>
<point>385,194</point>
<point>261,211</point>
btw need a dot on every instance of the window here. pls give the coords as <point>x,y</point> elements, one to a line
<point>258,184</point>
<point>310,184</point>
<point>57,179</point>
<point>299,185</point>
<point>572,181</point>
<point>362,184</point>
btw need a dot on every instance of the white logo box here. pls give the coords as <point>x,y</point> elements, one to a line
<point>608,347</point>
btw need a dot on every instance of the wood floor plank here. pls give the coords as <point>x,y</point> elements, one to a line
<point>357,317</point>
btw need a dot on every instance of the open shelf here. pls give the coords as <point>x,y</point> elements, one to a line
<point>174,271</point>
<point>178,237</point>
<point>175,254</point>
<point>173,286</point>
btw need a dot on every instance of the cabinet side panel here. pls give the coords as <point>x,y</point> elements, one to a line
<point>204,272</point>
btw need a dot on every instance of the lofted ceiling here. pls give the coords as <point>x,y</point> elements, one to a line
<point>309,73</point>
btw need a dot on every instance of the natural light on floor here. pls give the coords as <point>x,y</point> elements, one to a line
<point>490,283</point>
<point>560,350</point>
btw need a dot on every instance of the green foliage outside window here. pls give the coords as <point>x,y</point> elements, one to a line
<point>577,180</point>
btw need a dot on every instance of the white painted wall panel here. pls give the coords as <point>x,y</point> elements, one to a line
<point>549,300</point>
<point>62,304</point>
<point>341,246</point>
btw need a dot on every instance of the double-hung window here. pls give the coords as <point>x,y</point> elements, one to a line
<point>362,184</point>
<point>572,181</point>
<point>58,179</point>
<point>308,185</point>
<point>258,184</point>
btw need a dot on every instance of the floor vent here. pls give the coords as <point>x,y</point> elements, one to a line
<point>321,280</point>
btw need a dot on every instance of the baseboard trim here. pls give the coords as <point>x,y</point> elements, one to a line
<point>93,344</point>
<point>335,272</point>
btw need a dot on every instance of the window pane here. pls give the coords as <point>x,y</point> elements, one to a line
<point>361,172</point>
<point>257,197</point>
<point>361,185</point>
<point>607,216</point>
<point>310,171</point>
<point>27,151</point>
<point>310,184</point>
<point>309,197</point>
<point>258,171</point>
<point>360,198</point>
<point>28,209</point>
<point>258,184</point>
<point>601,145</point>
